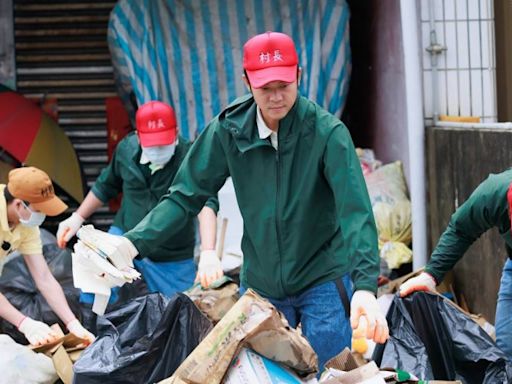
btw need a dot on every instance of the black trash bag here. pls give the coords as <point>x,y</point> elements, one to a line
<point>19,288</point>
<point>142,342</point>
<point>433,340</point>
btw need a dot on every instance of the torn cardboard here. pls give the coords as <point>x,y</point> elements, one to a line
<point>216,300</point>
<point>64,352</point>
<point>253,322</point>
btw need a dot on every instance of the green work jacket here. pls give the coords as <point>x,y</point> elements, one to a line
<point>486,208</point>
<point>305,207</point>
<point>141,193</point>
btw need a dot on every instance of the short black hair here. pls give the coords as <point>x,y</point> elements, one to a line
<point>7,195</point>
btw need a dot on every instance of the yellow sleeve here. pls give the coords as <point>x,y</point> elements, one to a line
<point>31,242</point>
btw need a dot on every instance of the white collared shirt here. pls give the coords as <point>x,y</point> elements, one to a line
<point>264,131</point>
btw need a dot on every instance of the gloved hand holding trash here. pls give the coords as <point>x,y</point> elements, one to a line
<point>68,228</point>
<point>423,282</point>
<point>102,261</point>
<point>364,305</point>
<point>37,332</point>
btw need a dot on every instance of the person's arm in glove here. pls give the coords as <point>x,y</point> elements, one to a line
<point>364,304</point>
<point>69,227</point>
<point>209,268</point>
<point>423,282</point>
<point>49,287</point>
<point>36,333</point>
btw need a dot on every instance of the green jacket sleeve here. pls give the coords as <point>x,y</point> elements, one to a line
<point>343,173</point>
<point>109,183</point>
<point>202,174</point>
<point>481,212</point>
<point>213,203</point>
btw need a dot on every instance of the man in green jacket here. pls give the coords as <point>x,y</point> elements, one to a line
<point>143,167</point>
<point>309,230</point>
<point>489,206</point>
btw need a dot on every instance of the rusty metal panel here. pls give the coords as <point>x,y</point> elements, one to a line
<point>61,52</point>
<point>458,161</point>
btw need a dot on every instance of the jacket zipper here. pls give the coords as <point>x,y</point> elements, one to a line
<point>278,230</point>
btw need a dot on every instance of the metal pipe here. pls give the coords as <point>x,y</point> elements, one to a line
<point>415,128</point>
<point>435,49</point>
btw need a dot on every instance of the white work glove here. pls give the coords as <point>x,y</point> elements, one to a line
<point>78,330</point>
<point>209,268</point>
<point>364,304</point>
<point>36,332</point>
<point>423,282</point>
<point>68,228</point>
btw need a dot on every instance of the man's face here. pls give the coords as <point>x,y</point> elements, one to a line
<point>275,99</point>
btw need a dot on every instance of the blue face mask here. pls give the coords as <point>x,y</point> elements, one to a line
<point>159,155</point>
<point>35,219</point>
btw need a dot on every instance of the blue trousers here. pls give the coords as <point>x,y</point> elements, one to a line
<point>504,311</point>
<point>322,316</point>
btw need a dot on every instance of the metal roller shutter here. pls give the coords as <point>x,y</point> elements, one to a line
<point>62,52</point>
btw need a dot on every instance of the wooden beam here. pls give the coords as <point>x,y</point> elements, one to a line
<point>62,19</point>
<point>65,83</point>
<point>69,57</point>
<point>61,32</point>
<point>64,6</point>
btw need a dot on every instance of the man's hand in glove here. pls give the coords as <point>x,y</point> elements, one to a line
<point>423,282</point>
<point>78,330</point>
<point>364,304</point>
<point>36,332</point>
<point>68,228</point>
<point>209,268</point>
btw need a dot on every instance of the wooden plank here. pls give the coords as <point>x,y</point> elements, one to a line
<point>81,108</point>
<point>61,19</point>
<point>45,58</point>
<point>29,45</point>
<point>64,6</point>
<point>61,32</point>
<point>72,95</point>
<point>65,83</point>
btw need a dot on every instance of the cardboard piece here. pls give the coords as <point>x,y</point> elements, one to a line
<point>64,352</point>
<point>63,365</point>
<point>253,322</point>
<point>216,300</point>
<point>251,368</point>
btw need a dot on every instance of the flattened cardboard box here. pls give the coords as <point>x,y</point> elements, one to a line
<point>253,322</point>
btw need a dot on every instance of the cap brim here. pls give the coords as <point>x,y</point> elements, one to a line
<point>154,139</point>
<point>52,207</point>
<point>264,76</point>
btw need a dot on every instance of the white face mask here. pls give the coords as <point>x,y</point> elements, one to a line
<point>159,155</point>
<point>35,219</point>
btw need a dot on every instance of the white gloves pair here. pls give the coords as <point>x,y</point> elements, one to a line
<point>68,228</point>
<point>364,306</point>
<point>209,268</point>
<point>423,282</point>
<point>38,333</point>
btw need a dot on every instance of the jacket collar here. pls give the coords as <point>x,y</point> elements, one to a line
<point>240,119</point>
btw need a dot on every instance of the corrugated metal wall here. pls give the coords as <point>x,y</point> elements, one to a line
<point>62,53</point>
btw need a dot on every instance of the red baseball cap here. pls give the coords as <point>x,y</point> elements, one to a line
<point>269,57</point>
<point>156,124</point>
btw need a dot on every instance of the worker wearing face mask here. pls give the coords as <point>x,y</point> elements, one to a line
<point>143,168</point>
<point>25,201</point>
